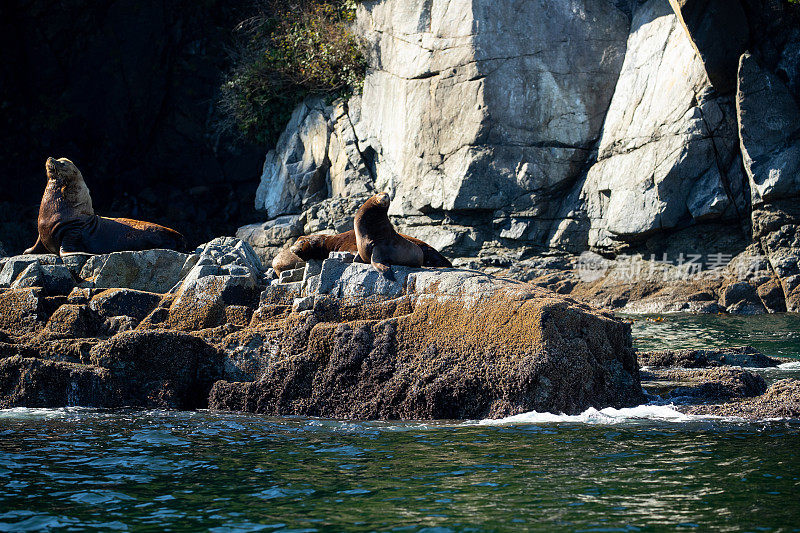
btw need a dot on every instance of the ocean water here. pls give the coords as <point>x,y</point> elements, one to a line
<point>649,468</point>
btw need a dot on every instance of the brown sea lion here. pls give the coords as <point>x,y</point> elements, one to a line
<point>319,246</point>
<point>285,260</point>
<point>68,225</point>
<point>378,242</point>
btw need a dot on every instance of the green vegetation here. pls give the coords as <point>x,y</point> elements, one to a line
<point>287,52</point>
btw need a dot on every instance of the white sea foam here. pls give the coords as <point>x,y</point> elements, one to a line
<point>608,416</point>
<point>43,412</point>
<point>794,365</point>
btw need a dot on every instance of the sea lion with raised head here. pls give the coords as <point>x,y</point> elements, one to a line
<point>68,225</point>
<point>378,242</point>
<point>319,246</point>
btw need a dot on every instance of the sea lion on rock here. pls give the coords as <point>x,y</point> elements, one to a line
<point>319,246</point>
<point>286,260</point>
<point>68,224</point>
<point>378,242</point>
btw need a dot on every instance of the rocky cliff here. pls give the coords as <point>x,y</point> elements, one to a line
<point>515,128</point>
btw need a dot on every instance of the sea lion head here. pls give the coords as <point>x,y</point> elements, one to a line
<point>382,199</point>
<point>63,173</point>
<point>308,246</point>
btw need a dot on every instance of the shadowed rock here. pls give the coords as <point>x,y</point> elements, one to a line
<point>745,356</point>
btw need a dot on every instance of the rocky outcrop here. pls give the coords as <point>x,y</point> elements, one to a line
<point>333,339</point>
<point>745,356</point>
<point>529,107</point>
<point>499,140</point>
<point>692,386</point>
<point>769,126</point>
<point>438,344</point>
<point>781,400</point>
<point>667,145</point>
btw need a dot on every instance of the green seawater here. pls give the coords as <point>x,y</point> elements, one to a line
<point>642,469</point>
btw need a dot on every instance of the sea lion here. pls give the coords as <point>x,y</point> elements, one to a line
<point>285,260</point>
<point>378,242</point>
<point>68,224</point>
<point>319,246</point>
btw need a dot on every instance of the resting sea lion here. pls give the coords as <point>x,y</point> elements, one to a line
<point>68,225</point>
<point>319,246</point>
<point>378,242</point>
<point>285,260</point>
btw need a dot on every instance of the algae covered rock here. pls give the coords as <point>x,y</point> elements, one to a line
<point>29,382</point>
<point>456,344</point>
<point>161,368</point>
<point>746,356</point>
<point>781,400</point>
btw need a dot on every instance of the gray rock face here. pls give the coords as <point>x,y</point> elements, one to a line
<point>666,146</point>
<point>151,270</point>
<point>769,129</point>
<point>317,156</point>
<point>54,279</point>
<point>529,105</point>
<point>745,356</point>
<point>508,128</point>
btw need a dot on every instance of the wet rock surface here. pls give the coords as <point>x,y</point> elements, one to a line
<point>745,356</point>
<point>781,400</point>
<point>710,385</point>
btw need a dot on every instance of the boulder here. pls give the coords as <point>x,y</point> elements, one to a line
<point>228,272</point>
<point>53,279</point>
<point>781,400</point>
<point>161,368</point>
<point>350,280</point>
<point>230,252</point>
<point>12,267</point>
<point>742,299</point>
<point>124,302</point>
<point>267,238</point>
<point>74,321</point>
<point>704,385</point>
<point>155,271</point>
<point>455,344</point>
<point>782,248</point>
<point>719,32</point>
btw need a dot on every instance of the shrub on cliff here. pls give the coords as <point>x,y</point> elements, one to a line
<point>285,53</point>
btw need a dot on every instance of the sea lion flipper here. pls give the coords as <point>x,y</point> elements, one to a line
<point>37,248</point>
<point>380,264</point>
<point>72,242</point>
